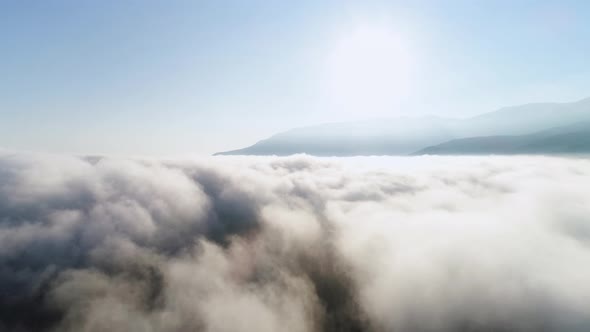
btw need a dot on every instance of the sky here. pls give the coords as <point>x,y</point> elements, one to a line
<point>195,77</point>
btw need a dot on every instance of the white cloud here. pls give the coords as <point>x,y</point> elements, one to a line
<point>297,243</point>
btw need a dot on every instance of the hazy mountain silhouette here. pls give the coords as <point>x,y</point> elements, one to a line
<point>507,129</point>
<point>377,137</point>
<point>568,139</point>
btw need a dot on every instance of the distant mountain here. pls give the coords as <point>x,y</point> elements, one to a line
<point>406,135</point>
<point>526,119</point>
<point>562,140</point>
<point>377,137</point>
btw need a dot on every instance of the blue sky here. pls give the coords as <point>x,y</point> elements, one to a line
<point>195,77</point>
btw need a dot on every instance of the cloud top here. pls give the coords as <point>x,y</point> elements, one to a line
<point>296,243</point>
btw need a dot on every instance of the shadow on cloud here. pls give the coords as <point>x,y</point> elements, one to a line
<point>295,244</point>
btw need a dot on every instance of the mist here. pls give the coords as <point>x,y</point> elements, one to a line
<point>294,243</point>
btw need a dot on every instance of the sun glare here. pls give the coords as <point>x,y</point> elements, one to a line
<point>369,71</point>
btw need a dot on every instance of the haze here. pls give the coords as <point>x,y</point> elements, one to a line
<point>300,166</point>
<point>197,77</point>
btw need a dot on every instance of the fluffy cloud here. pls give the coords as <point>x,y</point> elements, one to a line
<point>295,244</point>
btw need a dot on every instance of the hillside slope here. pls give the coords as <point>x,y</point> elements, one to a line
<point>402,136</point>
<point>567,139</point>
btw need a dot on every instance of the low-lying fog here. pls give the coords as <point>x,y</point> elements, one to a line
<point>294,244</point>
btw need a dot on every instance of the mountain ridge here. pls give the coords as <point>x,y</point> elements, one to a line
<point>407,135</point>
<point>566,139</point>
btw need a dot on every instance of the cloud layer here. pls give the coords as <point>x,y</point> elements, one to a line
<point>294,244</point>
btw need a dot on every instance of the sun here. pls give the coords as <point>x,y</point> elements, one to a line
<point>368,71</point>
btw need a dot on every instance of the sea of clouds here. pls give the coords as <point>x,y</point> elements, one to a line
<point>294,244</point>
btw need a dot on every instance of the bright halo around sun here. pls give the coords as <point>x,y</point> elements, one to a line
<point>369,72</point>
